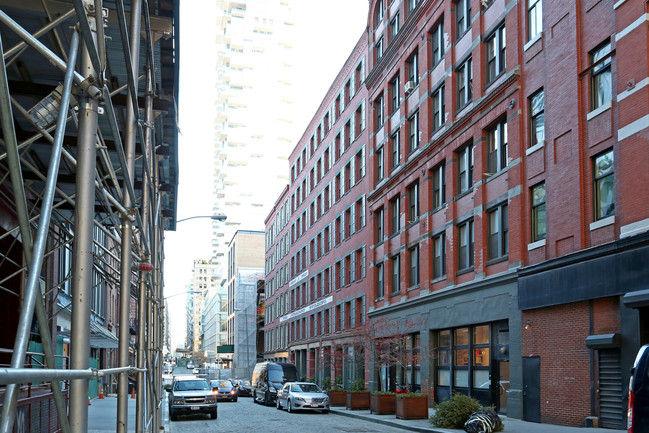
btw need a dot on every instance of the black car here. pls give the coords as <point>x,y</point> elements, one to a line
<point>224,389</point>
<point>638,414</point>
<point>244,387</point>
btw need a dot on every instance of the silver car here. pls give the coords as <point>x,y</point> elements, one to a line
<point>302,396</point>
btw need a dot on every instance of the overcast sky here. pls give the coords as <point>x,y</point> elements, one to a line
<point>332,29</point>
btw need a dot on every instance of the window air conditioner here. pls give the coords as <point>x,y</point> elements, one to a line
<point>409,87</point>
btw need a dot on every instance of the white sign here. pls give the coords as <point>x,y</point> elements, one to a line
<point>299,278</point>
<point>306,309</point>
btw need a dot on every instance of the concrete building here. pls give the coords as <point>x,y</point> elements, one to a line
<point>505,193</point>
<point>245,270</point>
<point>254,111</point>
<point>215,317</point>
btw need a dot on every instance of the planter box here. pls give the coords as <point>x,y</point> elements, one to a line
<point>412,407</point>
<point>359,400</point>
<point>337,398</point>
<point>383,404</point>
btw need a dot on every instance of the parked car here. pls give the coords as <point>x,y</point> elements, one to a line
<point>224,390</point>
<point>189,395</point>
<point>302,396</point>
<point>244,387</point>
<point>268,378</point>
<point>638,413</point>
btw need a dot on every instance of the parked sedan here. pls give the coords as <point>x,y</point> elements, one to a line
<point>224,390</point>
<point>302,396</point>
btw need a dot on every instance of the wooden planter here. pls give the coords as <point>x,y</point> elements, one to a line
<point>412,407</point>
<point>358,400</point>
<point>337,398</point>
<point>382,404</point>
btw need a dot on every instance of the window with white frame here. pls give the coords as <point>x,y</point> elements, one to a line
<point>380,174</point>
<point>534,18</point>
<point>439,186</point>
<point>413,132</point>
<point>411,69</point>
<point>378,110</point>
<point>394,26</point>
<point>378,13</point>
<point>538,212</point>
<point>413,266</point>
<point>439,255</point>
<point>413,202</point>
<point>394,215</point>
<point>395,94</point>
<point>395,151</point>
<point>378,48</point>
<point>395,287</point>
<point>465,168</point>
<point>380,290</point>
<point>604,185</point>
<point>464,75</point>
<point>495,53</point>
<point>497,147</point>
<point>379,225</point>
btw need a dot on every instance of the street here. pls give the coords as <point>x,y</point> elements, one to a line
<point>245,416</point>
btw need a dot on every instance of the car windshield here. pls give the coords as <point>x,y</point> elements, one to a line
<point>245,382</point>
<point>305,387</point>
<point>224,384</point>
<point>191,385</point>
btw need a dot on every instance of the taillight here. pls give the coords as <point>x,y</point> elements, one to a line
<point>629,414</point>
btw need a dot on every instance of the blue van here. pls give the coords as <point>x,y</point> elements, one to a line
<point>268,378</point>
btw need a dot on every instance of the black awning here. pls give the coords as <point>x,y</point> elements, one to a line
<point>637,299</point>
<point>603,341</point>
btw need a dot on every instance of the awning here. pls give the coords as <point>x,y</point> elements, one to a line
<point>101,337</point>
<point>603,341</point>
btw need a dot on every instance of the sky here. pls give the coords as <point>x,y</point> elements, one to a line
<point>332,28</point>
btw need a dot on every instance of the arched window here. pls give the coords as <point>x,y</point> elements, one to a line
<point>378,13</point>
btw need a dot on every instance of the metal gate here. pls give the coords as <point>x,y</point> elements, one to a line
<point>612,407</point>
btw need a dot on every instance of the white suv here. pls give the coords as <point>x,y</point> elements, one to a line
<point>188,395</point>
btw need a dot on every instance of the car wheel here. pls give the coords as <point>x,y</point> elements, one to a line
<point>266,399</point>
<point>235,399</point>
<point>214,414</point>
<point>254,397</point>
<point>172,415</point>
<point>326,411</point>
<point>289,406</point>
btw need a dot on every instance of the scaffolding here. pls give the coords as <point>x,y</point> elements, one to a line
<point>88,184</point>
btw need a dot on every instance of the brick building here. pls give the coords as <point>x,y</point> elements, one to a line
<point>507,242</point>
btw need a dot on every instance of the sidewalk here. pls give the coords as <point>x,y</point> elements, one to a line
<point>102,415</point>
<point>512,425</point>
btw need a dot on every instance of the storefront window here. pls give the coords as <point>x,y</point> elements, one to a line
<point>444,378</point>
<point>462,378</point>
<point>481,357</point>
<point>481,334</point>
<point>461,357</point>
<point>462,336</point>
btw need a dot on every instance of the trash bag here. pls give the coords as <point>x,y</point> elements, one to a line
<point>483,421</point>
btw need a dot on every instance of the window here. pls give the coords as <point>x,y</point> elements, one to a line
<point>601,88</point>
<point>498,237</point>
<point>534,18</point>
<point>394,261</point>
<point>439,256</point>
<point>437,39</point>
<point>464,83</point>
<point>495,53</point>
<point>378,48</point>
<point>537,118</point>
<point>465,245</point>
<point>394,215</point>
<point>395,155</point>
<point>438,108</point>
<point>379,165</point>
<point>394,94</point>
<point>413,202</point>
<point>394,27</point>
<point>462,17</point>
<point>465,168</point>
<point>439,186</point>
<point>604,188</point>
<point>538,212</point>
<point>378,14</point>
<point>413,266</point>
<point>378,109</point>
<point>497,147</point>
<point>413,132</point>
<point>379,281</point>
<point>412,4</point>
<point>379,225</point>
<point>411,69</point>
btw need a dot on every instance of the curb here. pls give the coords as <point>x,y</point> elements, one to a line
<point>386,422</point>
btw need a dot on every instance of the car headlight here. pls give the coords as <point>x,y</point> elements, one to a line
<point>300,399</point>
<point>210,399</point>
<point>234,391</point>
<point>273,389</point>
<point>178,401</point>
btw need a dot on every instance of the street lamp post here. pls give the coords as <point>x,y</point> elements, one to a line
<point>212,217</point>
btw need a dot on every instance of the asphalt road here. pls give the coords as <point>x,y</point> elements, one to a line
<point>246,416</point>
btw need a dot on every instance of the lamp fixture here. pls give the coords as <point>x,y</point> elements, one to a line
<point>528,325</point>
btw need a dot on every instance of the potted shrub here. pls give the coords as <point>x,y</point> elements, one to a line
<point>358,398</point>
<point>412,405</point>
<point>454,412</point>
<point>337,394</point>
<point>382,402</point>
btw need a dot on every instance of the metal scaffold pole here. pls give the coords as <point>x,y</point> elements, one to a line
<point>127,227</point>
<point>83,246</point>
